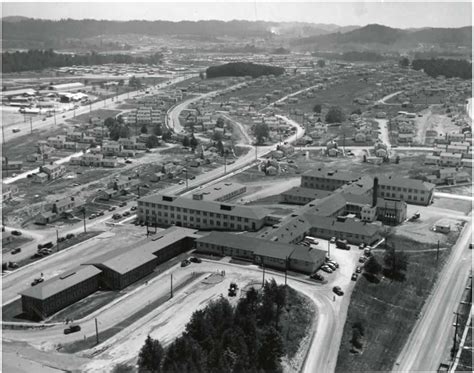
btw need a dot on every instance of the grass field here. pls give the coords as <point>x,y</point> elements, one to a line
<point>100,113</point>
<point>388,311</point>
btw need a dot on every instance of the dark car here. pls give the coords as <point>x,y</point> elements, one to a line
<point>317,277</point>
<point>72,329</point>
<point>116,216</point>
<point>185,263</point>
<point>112,208</point>
<point>192,177</point>
<point>133,208</point>
<point>126,213</point>
<point>69,236</point>
<point>100,213</point>
<point>354,277</point>
<point>16,233</point>
<point>13,265</point>
<point>195,259</point>
<point>362,246</point>
<point>337,290</point>
<point>16,251</point>
<point>122,204</point>
<point>36,281</point>
<point>128,161</point>
<point>358,269</point>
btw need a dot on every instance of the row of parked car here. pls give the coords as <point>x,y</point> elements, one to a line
<point>193,259</point>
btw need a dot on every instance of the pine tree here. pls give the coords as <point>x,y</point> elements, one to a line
<point>151,354</point>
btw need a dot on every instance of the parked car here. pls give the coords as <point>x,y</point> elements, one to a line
<point>342,244</point>
<point>93,216</point>
<point>112,208</point>
<point>72,329</point>
<point>69,236</point>
<point>116,216</point>
<point>133,208</point>
<point>16,251</point>
<point>185,263</point>
<point>128,161</point>
<point>362,259</point>
<point>37,255</point>
<point>47,245</point>
<point>61,239</point>
<point>126,213</point>
<point>122,204</point>
<point>317,277</point>
<point>13,265</point>
<point>181,182</point>
<point>326,269</point>
<point>16,233</point>
<point>337,290</point>
<point>333,240</point>
<point>358,269</point>
<point>15,130</point>
<point>332,261</point>
<point>331,265</point>
<point>362,246</point>
<point>195,259</point>
<point>192,177</point>
<point>354,277</point>
<point>100,213</point>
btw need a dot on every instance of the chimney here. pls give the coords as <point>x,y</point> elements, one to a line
<point>374,191</point>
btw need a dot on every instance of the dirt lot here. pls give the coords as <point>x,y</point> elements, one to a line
<point>433,119</point>
<point>100,113</point>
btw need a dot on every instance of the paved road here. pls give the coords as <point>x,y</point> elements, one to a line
<point>60,118</point>
<point>454,196</point>
<point>430,339</point>
<point>388,97</point>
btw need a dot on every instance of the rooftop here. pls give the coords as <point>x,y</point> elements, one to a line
<point>397,181</point>
<point>307,192</point>
<point>250,212</point>
<point>62,282</point>
<point>347,226</point>
<point>332,174</point>
<point>217,191</point>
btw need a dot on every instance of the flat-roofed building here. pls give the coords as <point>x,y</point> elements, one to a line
<point>450,159</point>
<point>124,268</point>
<point>269,253</point>
<point>302,196</point>
<point>327,179</point>
<point>163,210</point>
<point>219,192</point>
<point>50,296</point>
<point>413,191</point>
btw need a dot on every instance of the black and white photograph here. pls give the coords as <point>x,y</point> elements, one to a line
<point>236,186</point>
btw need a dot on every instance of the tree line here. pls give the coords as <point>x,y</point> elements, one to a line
<point>243,69</point>
<point>43,59</point>
<point>220,338</point>
<point>450,68</point>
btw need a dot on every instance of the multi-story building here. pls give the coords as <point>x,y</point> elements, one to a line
<point>163,210</point>
<point>54,171</point>
<point>409,190</point>
<point>325,179</point>
<point>111,148</point>
<point>450,159</point>
<point>219,192</point>
<point>64,205</point>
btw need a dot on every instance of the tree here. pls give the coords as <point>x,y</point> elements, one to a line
<point>202,75</point>
<point>220,122</point>
<point>404,62</point>
<point>261,132</point>
<point>121,82</point>
<point>144,129</point>
<point>217,136</point>
<point>220,147</point>
<point>123,368</point>
<point>335,115</point>
<point>357,111</point>
<point>185,141</point>
<point>271,350</point>
<point>150,356</point>
<point>317,108</point>
<point>321,63</point>
<point>193,142</point>
<point>110,122</point>
<point>135,82</point>
<point>395,263</point>
<point>157,130</point>
<point>152,142</point>
<point>372,266</point>
<point>166,136</point>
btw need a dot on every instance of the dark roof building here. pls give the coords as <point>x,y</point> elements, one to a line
<point>302,196</point>
<point>54,294</point>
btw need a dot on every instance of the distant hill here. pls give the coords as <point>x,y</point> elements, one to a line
<point>14,19</point>
<point>383,35</point>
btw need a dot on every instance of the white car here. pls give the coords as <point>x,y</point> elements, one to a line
<point>331,265</point>
<point>326,269</point>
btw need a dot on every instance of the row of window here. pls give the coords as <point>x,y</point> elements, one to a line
<point>196,222</point>
<point>408,197</point>
<point>400,189</point>
<point>158,209</point>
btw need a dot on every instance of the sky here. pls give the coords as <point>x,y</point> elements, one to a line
<point>406,14</point>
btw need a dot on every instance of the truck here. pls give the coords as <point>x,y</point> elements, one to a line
<point>342,244</point>
<point>415,216</point>
<point>233,289</point>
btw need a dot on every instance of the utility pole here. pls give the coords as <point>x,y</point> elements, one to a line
<point>263,278</point>
<point>6,165</point>
<point>286,269</point>
<point>84,218</point>
<point>171,286</point>
<point>437,253</point>
<point>57,239</point>
<point>225,163</point>
<point>54,116</point>
<point>31,125</point>
<point>3,135</point>
<point>96,331</point>
<point>329,249</point>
